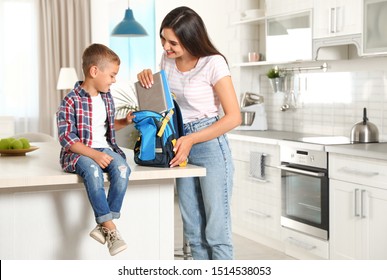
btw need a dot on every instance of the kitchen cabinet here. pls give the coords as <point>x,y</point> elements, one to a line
<point>256,203</point>
<point>336,18</point>
<point>280,7</point>
<point>293,31</point>
<point>358,207</point>
<point>374,27</point>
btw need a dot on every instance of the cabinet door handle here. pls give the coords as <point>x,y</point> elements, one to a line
<point>301,244</point>
<point>257,213</point>
<point>332,20</point>
<point>355,203</point>
<point>358,172</point>
<point>362,197</point>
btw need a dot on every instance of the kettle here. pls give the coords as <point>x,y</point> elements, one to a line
<point>364,131</point>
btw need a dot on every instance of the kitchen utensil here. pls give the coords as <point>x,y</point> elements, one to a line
<point>364,131</point>
<point>247,118</point>
<point>249,98</point>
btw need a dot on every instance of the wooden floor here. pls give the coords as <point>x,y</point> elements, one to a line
<point>244,249</point>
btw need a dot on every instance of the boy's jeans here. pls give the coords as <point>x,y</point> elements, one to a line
<point>205,201</point>
<point>105,208</point>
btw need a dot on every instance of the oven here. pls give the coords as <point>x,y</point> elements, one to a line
<point>305,191</point>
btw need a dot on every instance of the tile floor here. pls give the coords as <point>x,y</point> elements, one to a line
<point>244,249</point>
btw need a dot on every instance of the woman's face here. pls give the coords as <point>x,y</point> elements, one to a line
<point>171,44</point>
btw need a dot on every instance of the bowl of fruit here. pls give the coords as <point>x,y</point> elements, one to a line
<point>16,146</point>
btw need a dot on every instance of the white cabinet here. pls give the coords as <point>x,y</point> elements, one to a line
<point>358,207</point>
<point>336,18</point>
<point>374,29</point>
<point>293,31</point>
<point>256,204</point>
<point>280,7</point>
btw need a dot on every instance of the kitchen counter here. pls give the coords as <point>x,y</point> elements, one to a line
<point>266,136</point>
<point>371,150</point>
<point>41,167</point>
<point>48,216</point>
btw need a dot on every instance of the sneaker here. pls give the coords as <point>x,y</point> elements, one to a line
<point>114,242</point>
<point>99,234</point>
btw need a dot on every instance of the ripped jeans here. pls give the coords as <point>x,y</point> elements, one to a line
<point>105,207</point>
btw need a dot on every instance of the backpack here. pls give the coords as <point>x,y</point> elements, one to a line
<point>158,136</point>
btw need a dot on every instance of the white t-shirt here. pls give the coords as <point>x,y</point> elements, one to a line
<point>194,89</point>
<point>99,123</point>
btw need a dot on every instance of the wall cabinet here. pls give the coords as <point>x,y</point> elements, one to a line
<point>281,7</point>
<point>289,37</point>
<point>336,18</point>
<point>374,28</point>
<point>358,207</point>
<point>256,204</point>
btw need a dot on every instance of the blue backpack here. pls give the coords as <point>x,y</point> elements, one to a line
<point>158,136</point>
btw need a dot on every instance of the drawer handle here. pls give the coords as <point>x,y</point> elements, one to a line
<point>257,179</point>
<point>355,204</point>
<point>358,172</point>
<point>257,213</point>
<point>362,196</point>
<point>301,244</point>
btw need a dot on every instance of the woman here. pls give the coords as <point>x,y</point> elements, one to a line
<point>199,77</point>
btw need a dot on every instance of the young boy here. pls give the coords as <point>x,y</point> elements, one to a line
<point>86,130</point>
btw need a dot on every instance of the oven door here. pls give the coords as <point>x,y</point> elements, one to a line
<point>305,205</point>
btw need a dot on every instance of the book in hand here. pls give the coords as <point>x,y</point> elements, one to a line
<point>158,98</point>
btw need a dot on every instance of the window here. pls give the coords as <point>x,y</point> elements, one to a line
<point>19,63</point>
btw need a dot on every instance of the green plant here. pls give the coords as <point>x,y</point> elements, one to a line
<point>274,73</point>
<point>124,100</point>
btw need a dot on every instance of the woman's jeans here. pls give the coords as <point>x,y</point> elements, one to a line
<point>205,201</point>
<point>108,207</point>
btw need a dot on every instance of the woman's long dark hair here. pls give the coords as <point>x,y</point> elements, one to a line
<point>190,30</point>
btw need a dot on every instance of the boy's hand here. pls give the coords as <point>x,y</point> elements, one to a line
<point>130,117</point>
<point>102,159</point>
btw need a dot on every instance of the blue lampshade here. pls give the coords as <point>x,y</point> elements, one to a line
<point>129,27</point>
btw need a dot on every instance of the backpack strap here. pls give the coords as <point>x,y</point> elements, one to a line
<point>165,122</point>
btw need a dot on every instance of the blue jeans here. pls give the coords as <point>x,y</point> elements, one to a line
<point>108,207</point>
<point>205,201</point>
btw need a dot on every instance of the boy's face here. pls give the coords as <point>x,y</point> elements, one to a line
<point>106,76</point>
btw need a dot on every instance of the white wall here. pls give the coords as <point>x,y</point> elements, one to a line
<point>215,14</point>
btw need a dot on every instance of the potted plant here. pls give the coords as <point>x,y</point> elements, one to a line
<point>125,100</point>
<point>276,77</point>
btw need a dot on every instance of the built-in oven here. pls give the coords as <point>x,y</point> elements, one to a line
<point>305,191</point>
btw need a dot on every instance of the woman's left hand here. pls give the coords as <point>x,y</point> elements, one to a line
<point>182,148</point>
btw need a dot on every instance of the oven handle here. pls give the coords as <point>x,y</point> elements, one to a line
<point>300,171</point>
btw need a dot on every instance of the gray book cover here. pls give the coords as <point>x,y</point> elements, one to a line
<point>152,98</point>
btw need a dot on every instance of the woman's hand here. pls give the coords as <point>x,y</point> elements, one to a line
<point>145,78</point>
<point>182,148</point>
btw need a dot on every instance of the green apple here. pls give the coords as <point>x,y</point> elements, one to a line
<point>25,142</point>
<point>16,145</point>
<point>5,144</point>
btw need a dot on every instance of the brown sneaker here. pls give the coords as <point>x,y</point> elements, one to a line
<point>114,242</point>
<point>99,234</point>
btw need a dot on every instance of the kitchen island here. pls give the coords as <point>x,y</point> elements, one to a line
<point>45,212</point>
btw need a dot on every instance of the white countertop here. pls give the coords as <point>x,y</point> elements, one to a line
<point>371,150</point>
<point>41,167</point>
<point>266,136</point>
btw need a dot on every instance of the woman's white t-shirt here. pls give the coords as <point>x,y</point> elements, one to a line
<point>194,89</point>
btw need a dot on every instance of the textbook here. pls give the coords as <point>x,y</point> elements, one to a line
<point>158,98</point>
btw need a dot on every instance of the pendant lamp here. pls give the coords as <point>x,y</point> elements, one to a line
<point>129,27</point>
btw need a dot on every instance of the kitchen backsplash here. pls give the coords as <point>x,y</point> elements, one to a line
<point>328,103</point>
